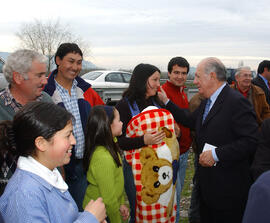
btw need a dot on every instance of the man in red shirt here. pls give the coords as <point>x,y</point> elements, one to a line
<point>178,69</point>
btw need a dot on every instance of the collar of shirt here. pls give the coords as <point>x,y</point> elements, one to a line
<point>180,88</point>
<point>214,96</point>
<point>244,93</point>
<point>62,89</point>
<point>265,80</point>
<point>52,177</point>
<point>10,100</point>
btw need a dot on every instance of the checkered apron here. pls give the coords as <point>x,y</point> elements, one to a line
<point>140,124</point>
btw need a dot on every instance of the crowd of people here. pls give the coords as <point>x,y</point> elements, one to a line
<point>65,156</point>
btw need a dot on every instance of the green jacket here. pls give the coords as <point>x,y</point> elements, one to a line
<point>106,180</point>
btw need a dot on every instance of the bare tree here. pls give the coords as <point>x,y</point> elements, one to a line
<point>45,37</point>
<point>241,63</point>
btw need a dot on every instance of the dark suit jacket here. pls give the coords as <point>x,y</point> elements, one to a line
<point>230,126</point>
<point>262,157</point>
<point>260,82</point>
<point>257,209</point>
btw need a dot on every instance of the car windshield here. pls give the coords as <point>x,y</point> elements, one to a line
<point>1,66</point>
<point>91,75</point>
<point>127,77</point>
<point>3,82</point>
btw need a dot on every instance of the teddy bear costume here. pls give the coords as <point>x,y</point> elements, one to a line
<point>154,167</point>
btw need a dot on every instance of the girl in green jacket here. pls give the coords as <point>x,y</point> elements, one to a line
<point>102,162</point>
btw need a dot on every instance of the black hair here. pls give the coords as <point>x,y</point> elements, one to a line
<point>262,65</point>
<point>17,137</point>
<point>98,133</point>
<point>66,48</point>
<point>180,61</point>
<point>138,84</point>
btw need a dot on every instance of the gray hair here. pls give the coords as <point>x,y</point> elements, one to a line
<point>21,61</point>
<point>213,64</point>
<point>239,69</point>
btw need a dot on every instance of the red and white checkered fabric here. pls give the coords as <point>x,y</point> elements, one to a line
<point>140,124</point>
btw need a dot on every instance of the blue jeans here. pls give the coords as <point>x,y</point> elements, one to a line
<point>130,189</point>
<point>76,181</point>
<point>180,181</point>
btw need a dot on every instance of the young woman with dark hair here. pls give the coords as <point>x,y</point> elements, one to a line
<point>141,93</point>
<point>41,135</point>
<point>102,162</point>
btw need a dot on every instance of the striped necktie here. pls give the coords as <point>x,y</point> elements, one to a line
<point>206,110</point>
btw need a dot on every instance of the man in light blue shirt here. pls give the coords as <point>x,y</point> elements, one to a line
<point>263,78</point>
<point>226,137</point>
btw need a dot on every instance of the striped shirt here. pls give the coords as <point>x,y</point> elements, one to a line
<point>71,104</point>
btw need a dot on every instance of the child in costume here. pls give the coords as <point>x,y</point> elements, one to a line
<point>102,162</point>
<point>37,192</point>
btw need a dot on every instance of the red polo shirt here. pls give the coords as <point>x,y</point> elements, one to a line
<point>244,93</point>
<point>179,97</point>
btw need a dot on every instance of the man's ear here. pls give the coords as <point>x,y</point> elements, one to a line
<point>213,75</point>
<point>58,60</point>
<point>17,77</point>
<point>41,143</point>
<point>169,75</point>
<point>236,77</point>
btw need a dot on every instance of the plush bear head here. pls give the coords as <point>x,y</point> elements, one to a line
<point>156,175</point>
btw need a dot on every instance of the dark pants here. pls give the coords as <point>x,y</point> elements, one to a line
<point>210,215</point>
<point>194,209</point>
<point>76,180</point>
<point>130,189</point>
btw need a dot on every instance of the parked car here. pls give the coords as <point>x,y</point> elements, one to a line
<point>108,84</point>
<point>3,82</point>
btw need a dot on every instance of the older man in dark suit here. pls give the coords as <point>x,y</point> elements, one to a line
<point>226,135</point>
<point>263,78</point>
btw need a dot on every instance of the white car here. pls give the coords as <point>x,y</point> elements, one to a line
<point>108,84</point>
<point>3,82</point>
<point>107,78</point>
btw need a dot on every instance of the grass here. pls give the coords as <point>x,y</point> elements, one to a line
<point>186,193</point>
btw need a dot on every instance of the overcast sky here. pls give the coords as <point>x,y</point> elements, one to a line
<point>124,33</point>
